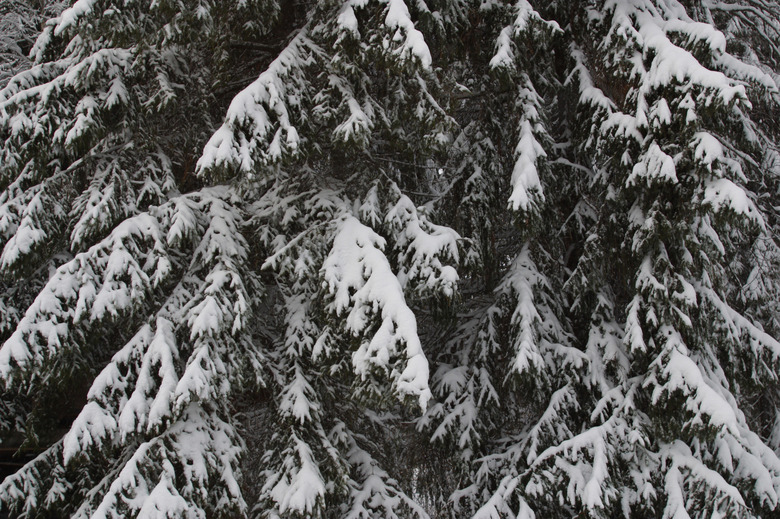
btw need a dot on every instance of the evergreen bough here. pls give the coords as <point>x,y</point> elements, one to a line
<point>377,258</point>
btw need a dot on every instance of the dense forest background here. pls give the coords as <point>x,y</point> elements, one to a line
<point>390,259</point>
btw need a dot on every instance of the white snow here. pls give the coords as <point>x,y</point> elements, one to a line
<point>296,399</point>
<point>70,16</point>
<point>504,55</point>
<point>300,489</point>
<point>92,426</point>
<point>723,194</point>
<point>412,41</point>
<point>361,281</point>
<point>653,167</point>
<point>522,280</point>
<point>526,186</point>
<point>347,20</point>
<point>423,249</point>
<point>680,373</point>
<point>258,125</point>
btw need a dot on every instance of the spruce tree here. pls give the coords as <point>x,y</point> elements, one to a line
<point>626,363</point>
<point>377,258</point>
<point>127,260</point>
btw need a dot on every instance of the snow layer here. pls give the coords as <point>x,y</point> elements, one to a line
<point>361,282</point>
